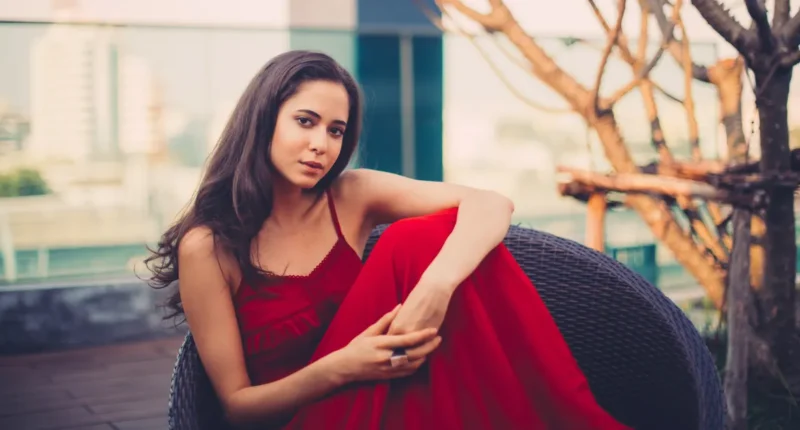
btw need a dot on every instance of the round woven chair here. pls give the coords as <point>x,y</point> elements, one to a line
<point>644,360</point>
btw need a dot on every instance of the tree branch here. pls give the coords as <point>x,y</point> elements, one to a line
<point>624,50</point>
<point>781,13</point>
<point>656,7</point>
<point>542,66</point>
<point>726,76</point>
<point>431,15</point>
<point>667,94</point>
<point>696,171</point>
<point>791,30</point>
<point>681,51</point>
<point>697,227</point>
<point>631,62</point>
<point>613,37</point>
<point>599,16</point>
<point>694,131</point>
<point>758,12</point>
<point>715,245</point>
<point>644,31</point>
<point>791,59</point>
<point>656,132</point>
<point>644,72</point>
<point>491,21</point>
<point>725,25</point>
<point>641,183</point>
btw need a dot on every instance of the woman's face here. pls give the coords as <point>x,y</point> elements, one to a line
<point>309,131</point>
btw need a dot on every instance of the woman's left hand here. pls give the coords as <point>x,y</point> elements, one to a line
<point>425,307</point>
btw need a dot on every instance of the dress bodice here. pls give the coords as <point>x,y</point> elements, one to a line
<point>281,324</point>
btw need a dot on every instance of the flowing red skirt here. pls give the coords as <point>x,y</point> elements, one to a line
<point>502,363</point>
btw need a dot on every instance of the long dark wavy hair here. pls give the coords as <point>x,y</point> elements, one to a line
<point>235,194</point>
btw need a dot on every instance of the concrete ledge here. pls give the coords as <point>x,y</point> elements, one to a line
<point>49,317</point>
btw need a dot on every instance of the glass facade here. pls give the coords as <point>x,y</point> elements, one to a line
<point>116,122</point>
<point>401,76</point>
<point>104,131</point>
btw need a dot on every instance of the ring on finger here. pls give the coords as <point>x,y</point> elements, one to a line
<point>398,358</point>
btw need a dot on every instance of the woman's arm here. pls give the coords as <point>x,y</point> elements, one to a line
<point>481,224</point>
<point>210,313</point>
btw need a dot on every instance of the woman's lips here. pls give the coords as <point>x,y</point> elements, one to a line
<point>312,164</point>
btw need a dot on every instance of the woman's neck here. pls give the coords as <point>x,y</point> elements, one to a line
<point>290,207</point>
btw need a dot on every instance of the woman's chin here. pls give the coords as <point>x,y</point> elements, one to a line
<point>301,180</point>
<point>305,183</point>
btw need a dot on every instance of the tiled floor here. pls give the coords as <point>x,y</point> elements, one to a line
<point>120,387</point>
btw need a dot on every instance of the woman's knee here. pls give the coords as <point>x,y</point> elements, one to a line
<point>422,230</point>
<point>419,237</point>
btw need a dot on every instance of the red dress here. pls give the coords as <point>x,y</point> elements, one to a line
<point>502,363</point>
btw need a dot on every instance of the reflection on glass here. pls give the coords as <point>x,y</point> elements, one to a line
<point>115,124</point>
<point>104,131</point>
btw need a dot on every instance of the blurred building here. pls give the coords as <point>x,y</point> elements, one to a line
<point>91,99</point>
<point>14,130</point>
<point>118,105</point>
<point>120,120</point>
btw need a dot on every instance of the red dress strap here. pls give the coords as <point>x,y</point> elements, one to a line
<point>332,207</point>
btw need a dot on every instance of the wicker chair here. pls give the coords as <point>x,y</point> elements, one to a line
<point>644,360</point>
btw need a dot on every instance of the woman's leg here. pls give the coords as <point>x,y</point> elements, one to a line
<point>502,362</point>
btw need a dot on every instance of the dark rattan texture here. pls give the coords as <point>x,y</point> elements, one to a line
<point>645,361</point>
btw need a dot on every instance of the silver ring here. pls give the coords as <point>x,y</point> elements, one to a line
<point>398,358</point>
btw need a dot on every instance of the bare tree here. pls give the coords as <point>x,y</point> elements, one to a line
<point>770,52</point>
<point>699,249</point>
<point>758,195</point>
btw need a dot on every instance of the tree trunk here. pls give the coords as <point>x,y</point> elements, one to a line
<point>774,302</point>
<point>736,365</point>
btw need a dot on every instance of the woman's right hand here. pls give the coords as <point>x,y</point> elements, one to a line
<point>367,356</point>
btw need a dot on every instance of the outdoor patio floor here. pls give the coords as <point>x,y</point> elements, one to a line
<point>114,387</point>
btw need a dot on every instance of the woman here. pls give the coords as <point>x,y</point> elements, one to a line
<point>439,329</point>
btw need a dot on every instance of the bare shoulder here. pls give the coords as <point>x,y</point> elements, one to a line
<point>197,243</point>
<point>198,252</point>
<point>348,189</point>
<point>350,192</point>
<point>359,185</point>
<point>351,180</point>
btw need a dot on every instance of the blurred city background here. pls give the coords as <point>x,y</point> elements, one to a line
<point>108,110</point>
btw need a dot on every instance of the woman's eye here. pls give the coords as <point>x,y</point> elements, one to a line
<point>305,122</point>
<point>337,132</point>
